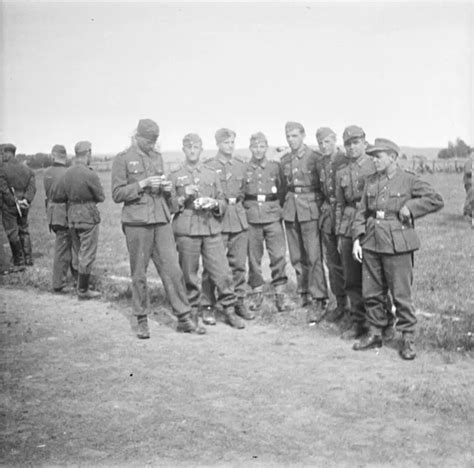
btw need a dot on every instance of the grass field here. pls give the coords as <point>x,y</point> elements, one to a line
<point>443,266</point>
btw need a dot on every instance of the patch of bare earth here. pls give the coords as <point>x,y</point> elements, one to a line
<point>79,388</point>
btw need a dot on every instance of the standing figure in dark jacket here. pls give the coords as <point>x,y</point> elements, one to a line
<point>56,214</point>
<point>139,183</point>
<point>385,240</point>
<point>21,182</point>
<point>81,189</point>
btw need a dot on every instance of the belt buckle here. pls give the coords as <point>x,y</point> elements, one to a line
<point>380,214</point>
<point>261,198</point>
<point>232,200</point>
<point>298,189</point>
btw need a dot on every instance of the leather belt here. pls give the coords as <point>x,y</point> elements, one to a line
<point>300,189</point>
<point>70,202</point>
<point>261,197</point>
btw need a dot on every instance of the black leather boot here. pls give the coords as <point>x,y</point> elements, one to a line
<point>83,292</point>
<point>25,240</point>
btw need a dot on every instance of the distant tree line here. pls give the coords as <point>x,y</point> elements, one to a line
<point>42,160</point>
<point>458,149</point>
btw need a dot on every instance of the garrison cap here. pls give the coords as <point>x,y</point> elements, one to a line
<point>383,144</point>
<point>192,138</point>
<point>9,147</point>
<point>289,126</point>
<point>323,132</point>
<point>258,137</point>
<point>223,133</point>
<point>148,128</point>
<point>352,131</point>
<point>82,147</point>
<point>59,154</point>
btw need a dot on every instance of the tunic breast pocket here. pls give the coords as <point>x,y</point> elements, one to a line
<point>371,200</point>
<point>207,189</point>
<point>395,201</point>
<point>136,170</point>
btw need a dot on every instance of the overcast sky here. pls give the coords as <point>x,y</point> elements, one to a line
<point>74,71</point>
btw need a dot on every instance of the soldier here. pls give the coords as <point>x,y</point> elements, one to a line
<point>21,182</point>
<point>56,214</point>
<point>385,241</point>
<point>467,180</point>
<point>197,228</point>
<point>264,196</point>
<point>81,189</point>
<point>6,199</point>
<point>139,183</point>
<point>301,214</point>
<point>231,172</point>
<point>350,182</point>
<point>332,160</point>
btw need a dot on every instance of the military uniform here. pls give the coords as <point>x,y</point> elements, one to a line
<point>301,213</point>
<point>6,200</point>
<point>198,233</point>
<point>56,214</point>
<point>81,189</point>
<point>264,192</point>
<point>467,180</point>
<point>328,166</point>
<point>231,173</point>
<point>350,182</point>
<point>388,244</point>
<point>146,224</point>
<point>21,179</point>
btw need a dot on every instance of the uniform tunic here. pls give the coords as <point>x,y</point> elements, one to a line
<point>388,244</point>
<point>264,194</point>
<point>231,173</point>
<point>303,197</point>
<point>81,189</point>
<point>350,182</point>
<point>146,219</point>
<point>198,232</point>
<point>56,214</point>
<point>6,200</point>
<point>328,166</point>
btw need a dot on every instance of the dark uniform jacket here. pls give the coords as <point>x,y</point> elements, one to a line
<point>81,189</point>
<point>141,206</point>
<point>6,196</point>
<point>190,222</point>
<point>377,219</point>
<point>231,173</point>
<point>303,187</point>
<point>350,182</point>
<point>21,178</point>
<point>264,191</point>
<point>56,213</point>
<point>328,166</point>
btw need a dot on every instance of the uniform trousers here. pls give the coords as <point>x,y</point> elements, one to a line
<point>85,240</point>
<point>235,245</point>
<point>63,256</point>
<point>334,263</point>
<point>306,257</point>
<point>155,242</point>
<point>5,256</point>
<point>273,236</point>
<point>211,250</point>
<point>16,226</point>
<point>352,280</point>
<point>383,273</point>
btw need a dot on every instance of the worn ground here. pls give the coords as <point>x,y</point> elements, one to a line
<point>79,389</point>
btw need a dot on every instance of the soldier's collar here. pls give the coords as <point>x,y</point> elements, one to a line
<point>262,163</point>
<point>361,159</point>
<point>300,153</point>
<point>140,151</point>
<point>193,167</point>
<point>224,159</point>
<point>391,174</point>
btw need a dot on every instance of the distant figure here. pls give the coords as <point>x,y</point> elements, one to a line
<point>56,214</point>
<point>467,180</point>
<point>21,182</point>
<point>138,181</point>
<point>385,241</point>
<point>81,189</point>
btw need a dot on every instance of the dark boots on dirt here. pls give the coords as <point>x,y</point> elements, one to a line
<point>256,299</point>
<point>83,291</point>
<point>317,312</point>
<point>143,332</point>
<point>407,350</point>
<point>196,317</point>
<point>242,311</point>
<point>25,241</point>
<point>232,319</point>
<point>186,324</point>
<point>282,302</point>
<point>17,255</point>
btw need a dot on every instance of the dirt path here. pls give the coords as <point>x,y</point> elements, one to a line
<point>78,388</point>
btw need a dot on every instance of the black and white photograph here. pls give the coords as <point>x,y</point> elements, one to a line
<point>236,234</point>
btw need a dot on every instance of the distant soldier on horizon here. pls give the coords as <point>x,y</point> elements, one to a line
<point>467,180</point>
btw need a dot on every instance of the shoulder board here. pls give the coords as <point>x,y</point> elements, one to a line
<point>239,158</point>
<point>410,171</point>
<point>208,160</point>
<point>285,157</point>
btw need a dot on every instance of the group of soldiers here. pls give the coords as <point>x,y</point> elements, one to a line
<point>350,213</point>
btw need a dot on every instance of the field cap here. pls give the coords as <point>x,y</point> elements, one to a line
<point>9,147</point>
<point>223,133</point>
<point>289,126</point>
<point>258,137</point>
<point>352,131</point>
<point>383,144</point>
<point>323,132</point>
<point>191,138</point>
<point>148,128</point>
<point>59,154</point>
<point>82,147</point>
